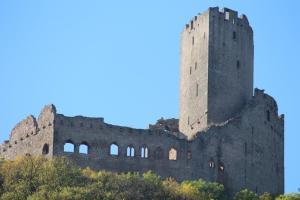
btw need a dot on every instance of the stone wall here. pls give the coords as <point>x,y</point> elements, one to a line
<point>31,136</point>
<point>249,148</point>
<point>98,136</point>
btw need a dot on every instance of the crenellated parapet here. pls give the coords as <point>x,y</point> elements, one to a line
<point>225,14</point>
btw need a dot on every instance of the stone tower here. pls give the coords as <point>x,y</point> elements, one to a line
<point>216,69</point>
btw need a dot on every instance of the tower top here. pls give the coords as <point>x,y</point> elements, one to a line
<point>224,13</point>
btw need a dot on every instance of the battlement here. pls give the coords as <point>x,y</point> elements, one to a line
<point>225,14</point>
<point>167,127</point>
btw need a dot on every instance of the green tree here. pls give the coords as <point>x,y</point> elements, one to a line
<point>293,196</point>
<point>209,190</point>
<point>246,195</point>
<point>25,176</point>
<point>20,177</point>
<point>266,196</point>
<point>34,178</point>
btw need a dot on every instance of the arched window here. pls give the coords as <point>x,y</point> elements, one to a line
<point>172,154</point>
<point>45,150</point>
<point>130,151</point>
<point>158,153</point>
<point>211,163</point>
<point>69,146</point>
<point>114,149</point>
<point>221,167</point>
<point>84,148</point>
<point>144,152</point>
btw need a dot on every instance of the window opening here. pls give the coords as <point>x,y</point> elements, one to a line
<point>130,151</point>
<point>268,115</point>
<point>114,150</point>
<point>211,164</point>
<point>84,148</point>
<point>221,167</point>
<point>69,146</point>
<point>45,150</point>
<point>144,152</point>
<point>234,35</point>
<point>172,154</point>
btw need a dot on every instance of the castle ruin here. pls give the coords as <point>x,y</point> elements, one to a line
<point>225,133</point>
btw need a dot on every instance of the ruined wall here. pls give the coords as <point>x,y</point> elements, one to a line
<point>31,136</point>
<point>99,135</point>
<point>246,151</point>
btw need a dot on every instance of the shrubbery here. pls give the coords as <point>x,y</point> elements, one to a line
<point>59,179</point>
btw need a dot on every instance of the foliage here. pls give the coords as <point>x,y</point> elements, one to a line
<point>35,178</point>
<point>246,195</point>
<point>266,196</point>
<point>293,196</point>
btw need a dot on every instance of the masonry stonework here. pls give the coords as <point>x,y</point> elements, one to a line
<point>224,133</point>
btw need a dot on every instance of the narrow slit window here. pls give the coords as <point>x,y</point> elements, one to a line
<point>234,35</point>
<point>238,64</point>
<point>195,65</point>
<point>268,115</point>
<point>197,89</point>
<point>211,164</point>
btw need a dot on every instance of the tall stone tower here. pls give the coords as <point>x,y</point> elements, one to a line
<point>216,73</point>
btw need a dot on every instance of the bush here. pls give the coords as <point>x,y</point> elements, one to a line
<point>246,195</point>
<point>293,196</point>
<point>35,178</point>
<point>266,196</point>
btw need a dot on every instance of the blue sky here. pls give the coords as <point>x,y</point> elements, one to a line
<point>120,60</point>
